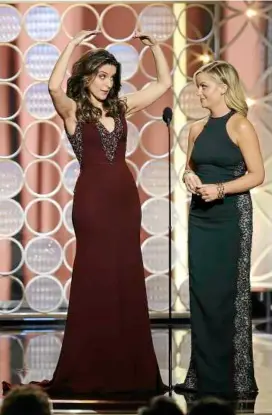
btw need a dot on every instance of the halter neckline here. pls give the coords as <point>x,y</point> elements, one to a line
<point>222,116</point>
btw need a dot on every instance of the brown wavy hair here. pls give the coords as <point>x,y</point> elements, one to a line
<point>85,69</point>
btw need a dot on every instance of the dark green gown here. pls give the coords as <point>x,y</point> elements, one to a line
<point>220,237</point>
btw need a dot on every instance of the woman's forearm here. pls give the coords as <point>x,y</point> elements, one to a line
<point>244,183</point>
<point>162,68</point>
<point>59,71</point>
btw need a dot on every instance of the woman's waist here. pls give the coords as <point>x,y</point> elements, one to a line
<point>91,164</point>
<point>229,205</point>
<point>117,174</point>
<point>211,176</point>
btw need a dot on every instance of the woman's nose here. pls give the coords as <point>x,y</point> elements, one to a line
<point>109,83</point>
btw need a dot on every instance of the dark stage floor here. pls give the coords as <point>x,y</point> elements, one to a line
<point>32,352</point>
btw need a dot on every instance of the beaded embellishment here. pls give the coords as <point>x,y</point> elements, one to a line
<point>240,169</point>
<point>244,380</point>
<point>111,139</point>
<point>76,141</point>
<point>191,377</point>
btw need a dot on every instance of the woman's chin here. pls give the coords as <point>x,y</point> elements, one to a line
<point>102,99</point>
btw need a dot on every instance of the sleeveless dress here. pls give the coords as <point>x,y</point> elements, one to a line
<point>219,244</point>
<point>107,349</point>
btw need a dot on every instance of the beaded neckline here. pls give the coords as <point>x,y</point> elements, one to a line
<point>105,128</point>
<point>111,139</point>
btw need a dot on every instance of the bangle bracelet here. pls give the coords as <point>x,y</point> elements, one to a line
<point>186,171</point>
<point>220,191</point>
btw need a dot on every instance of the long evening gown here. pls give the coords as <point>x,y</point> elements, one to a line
<point>219,238</point>
<point>107,348</point>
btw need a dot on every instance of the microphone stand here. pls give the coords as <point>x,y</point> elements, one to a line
<point>168,121</point>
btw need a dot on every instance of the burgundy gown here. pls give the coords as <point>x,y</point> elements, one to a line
<point>107,348</point>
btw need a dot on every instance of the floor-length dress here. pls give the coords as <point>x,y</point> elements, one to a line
<point>219,238</point>
<point>107,348</point>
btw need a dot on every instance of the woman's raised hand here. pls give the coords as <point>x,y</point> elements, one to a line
<point>84,35</point>
<point>146,39</point>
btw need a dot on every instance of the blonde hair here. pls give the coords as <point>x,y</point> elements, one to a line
<point>224,72</point>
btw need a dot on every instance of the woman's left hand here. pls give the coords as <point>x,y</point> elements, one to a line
<point>146,39</point>
<point>208,192</point>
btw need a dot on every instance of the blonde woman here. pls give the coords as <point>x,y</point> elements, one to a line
<point>223,163</point>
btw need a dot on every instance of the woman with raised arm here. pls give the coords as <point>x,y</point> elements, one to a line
<point>223,163</point>
<point>107,349</point>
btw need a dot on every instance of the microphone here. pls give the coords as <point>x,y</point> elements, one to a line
<point>167,115</point>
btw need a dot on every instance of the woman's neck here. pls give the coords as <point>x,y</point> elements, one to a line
<point>219,111</point>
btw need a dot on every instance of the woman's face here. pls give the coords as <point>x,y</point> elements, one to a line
<point>101,84</point>
<point>210,92</point>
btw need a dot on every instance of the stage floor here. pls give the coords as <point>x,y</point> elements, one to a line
<point>31,354</point>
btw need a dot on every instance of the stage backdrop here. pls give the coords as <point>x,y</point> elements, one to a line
<point>38,169</point>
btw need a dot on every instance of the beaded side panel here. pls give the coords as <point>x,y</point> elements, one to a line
<point>191,377</point>
<point>244,380</point>
<point>110,140</point>
<point>76,141</point>
<point>240,169</point>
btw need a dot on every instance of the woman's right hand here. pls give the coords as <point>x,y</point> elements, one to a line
<point>191,181</point>
<point>84,35</point>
